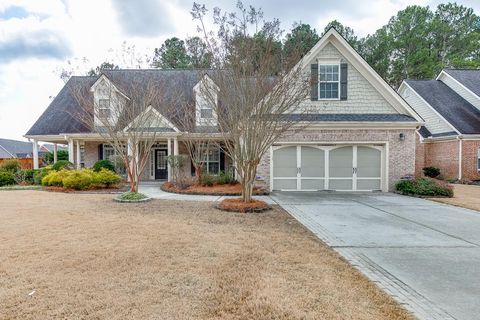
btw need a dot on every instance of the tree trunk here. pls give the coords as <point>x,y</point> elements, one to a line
<point>249,171</point>
<point>198,173</point>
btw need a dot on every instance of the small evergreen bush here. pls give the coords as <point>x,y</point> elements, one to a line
<point>225,177</point>
<point>39,174</point>
<point>55,178</point>
<point>12,165</point>
<point>6,178</point>
<point>62,164</point>
<point>103,164</point>
<point>424,187</point>
<point>207,179</point>
<point>431,172</point>
<point>132,196</point>
<point>24,176</point>
<point>78,179</point>
<point>106,178</point>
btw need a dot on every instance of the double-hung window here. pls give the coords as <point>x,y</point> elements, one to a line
<point>109,153</point>
<point>211,159</point>
<point>104,108</point>
<point>329,81</point>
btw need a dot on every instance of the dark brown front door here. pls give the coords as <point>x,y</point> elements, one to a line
<point>161,168</point>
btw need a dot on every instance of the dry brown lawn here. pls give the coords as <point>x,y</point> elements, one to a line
<point>86,257</point>
<point>467,196</point>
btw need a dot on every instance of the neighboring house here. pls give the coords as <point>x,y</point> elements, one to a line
<point>20,150</point>
<point>360,133</point>
<point>450,106</point>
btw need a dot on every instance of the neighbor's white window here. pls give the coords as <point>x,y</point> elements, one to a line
<point>329,81</point>
<point>104,108</point>
<point>211,154</point>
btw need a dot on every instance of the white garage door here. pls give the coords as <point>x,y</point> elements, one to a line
<point>343,168</point>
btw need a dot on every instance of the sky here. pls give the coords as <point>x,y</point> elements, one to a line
<point>40,38</point>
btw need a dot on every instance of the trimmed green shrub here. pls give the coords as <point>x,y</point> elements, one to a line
<point>225,177</point>
<point>63,164</point>
<point>431,172</point>
<point>100,164</point>
<point>132,196</point>
<point>12,165</point>
<point>39,174</point>
<point>61,155</point>
<point>207,179</point>
<point>55,178</point>
<point>425,187</point>
<point>78,179</point>
<point>6,178</point>
<point>106,177</point>
<point>24,176</point>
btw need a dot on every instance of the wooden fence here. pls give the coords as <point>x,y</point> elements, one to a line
<point>25,163</point>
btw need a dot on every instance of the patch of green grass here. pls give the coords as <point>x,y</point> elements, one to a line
<point>18,187</point>
<point>132,196</point>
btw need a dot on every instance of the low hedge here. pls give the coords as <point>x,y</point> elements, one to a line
<point>81,179</point>
<point>103,164</point>
<point>24,177</point>
<point>6,178</point>
<point>426,187</point>
<point>62,164</point>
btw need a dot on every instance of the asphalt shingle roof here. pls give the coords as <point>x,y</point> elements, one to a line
<point>456,110</point>
<point>469,78</point>
<point>373,117</point>
<point>17,148</point>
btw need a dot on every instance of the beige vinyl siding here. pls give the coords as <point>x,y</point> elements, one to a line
<point>433,122</point>
<point>461,90</point>
<point>362,97</point>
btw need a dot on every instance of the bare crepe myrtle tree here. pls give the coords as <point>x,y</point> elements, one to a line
<point>123,112</point>
<point>250,97</point>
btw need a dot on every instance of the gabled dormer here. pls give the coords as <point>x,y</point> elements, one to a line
<point>109,102</point>
<point>206,92</point>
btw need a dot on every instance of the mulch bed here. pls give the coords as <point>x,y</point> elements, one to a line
<point>238,205</point>
<point>215,190</point>
<point>88,191</point>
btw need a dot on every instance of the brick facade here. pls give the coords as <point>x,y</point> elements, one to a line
<point>443,154</point>
<point>401,154</point>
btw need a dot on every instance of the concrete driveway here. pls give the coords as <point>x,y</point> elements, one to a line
<point>423,253</point>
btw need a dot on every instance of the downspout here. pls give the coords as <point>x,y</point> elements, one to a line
<point>460,147</point>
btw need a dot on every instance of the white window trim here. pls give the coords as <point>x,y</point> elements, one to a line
<point>478,159</point>
<point>321,63</point>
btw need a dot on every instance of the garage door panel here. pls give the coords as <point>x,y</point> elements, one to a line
<point>341,184</point>
<point>312,162</point>
<point>368,162</point>
<point>341,162</point>
<point>285,162</point>
<point>313,184</point>
<point>285,184</point>
<point>369,184</point>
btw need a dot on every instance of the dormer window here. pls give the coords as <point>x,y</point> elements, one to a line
<point>329,81</point>
<point>206,113</point>
<point>104,108</point>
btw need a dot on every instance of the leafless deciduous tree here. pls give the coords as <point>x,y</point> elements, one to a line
<point>123,111</point>
<point>250,97</point>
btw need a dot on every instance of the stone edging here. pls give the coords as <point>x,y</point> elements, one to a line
<point>250,210</point>
<point>131,201</point>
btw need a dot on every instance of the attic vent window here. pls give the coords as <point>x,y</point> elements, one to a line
<point>104,108</point>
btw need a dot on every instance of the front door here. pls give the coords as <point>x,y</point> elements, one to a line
<point>161,171</point>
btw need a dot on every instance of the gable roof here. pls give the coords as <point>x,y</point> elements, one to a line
<point>60,117</point>
<point>15,149</point>
<point>470,78</point>
<point>462,115</point>
<point>354,58</point>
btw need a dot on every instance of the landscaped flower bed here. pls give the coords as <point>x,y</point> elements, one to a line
<point>425,187</point>
<point>233,189</point>
<point>238,205</point>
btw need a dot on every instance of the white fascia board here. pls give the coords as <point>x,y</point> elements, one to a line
<point>158,114</point>
<point>443,74</point>
<point>105,78</point>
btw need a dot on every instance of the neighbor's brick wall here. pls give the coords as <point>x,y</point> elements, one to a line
<point>443,154</point>
<point>401,160</point>
<point>419,156</point>
<point>469,159</point>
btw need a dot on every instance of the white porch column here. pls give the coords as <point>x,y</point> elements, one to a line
<point>175,146</point>
<point>55,156</point>
<point>70,151</point>
<point>35,154</point>
<point>169,152</point>
<point>78,155</point>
